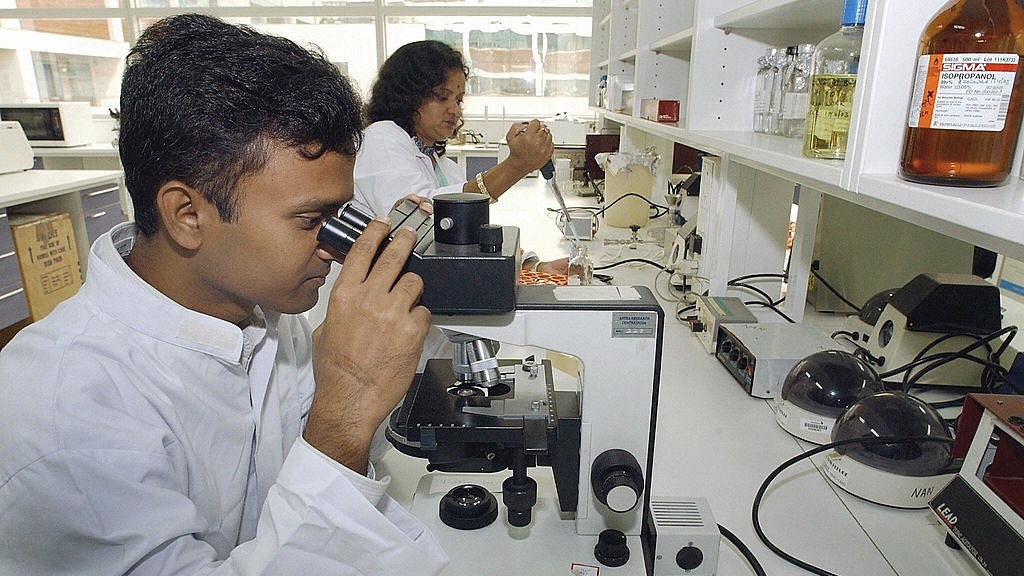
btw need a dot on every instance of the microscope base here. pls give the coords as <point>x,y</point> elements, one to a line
<point>549,545</point>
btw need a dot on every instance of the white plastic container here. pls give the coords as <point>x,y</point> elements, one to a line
<point>624,176</point>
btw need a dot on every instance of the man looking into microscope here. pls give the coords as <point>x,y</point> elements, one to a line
<point>178,416</point>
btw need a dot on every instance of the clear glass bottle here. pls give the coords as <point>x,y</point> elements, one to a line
<point>581,269</point>
<point>966,108</point>
<point>795,93</point>
<point>763,80</point>
<point>782,62</point>
<point>833,80</point>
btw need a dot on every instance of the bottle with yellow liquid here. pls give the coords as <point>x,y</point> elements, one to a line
<point>968,99</point>
<point>833,80</point>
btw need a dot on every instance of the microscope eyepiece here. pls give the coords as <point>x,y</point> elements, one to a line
<point>340,232</point>
<point>444,256</point>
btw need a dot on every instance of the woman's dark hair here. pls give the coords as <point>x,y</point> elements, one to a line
<point>202,101</point>
<point>408,76</point>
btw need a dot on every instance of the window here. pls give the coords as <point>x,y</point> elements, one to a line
<point>527,57</point>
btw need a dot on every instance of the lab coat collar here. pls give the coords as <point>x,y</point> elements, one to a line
<point>117,290</point>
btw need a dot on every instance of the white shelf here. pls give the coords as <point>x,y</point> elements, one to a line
<point>990,217</point>
<point>783,14</point>
<point>773,154</point>
<point>678,44</point>
<point>628,56</point>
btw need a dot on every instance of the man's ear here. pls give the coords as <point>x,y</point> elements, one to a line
<point>179,206</point>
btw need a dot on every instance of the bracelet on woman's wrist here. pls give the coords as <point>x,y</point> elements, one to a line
<point>481,187</point>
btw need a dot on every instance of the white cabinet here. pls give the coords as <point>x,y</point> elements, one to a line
<point>13,306</point>
<point>703,53</point>
<point>94,199</point>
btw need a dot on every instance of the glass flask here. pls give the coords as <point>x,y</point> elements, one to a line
<point>581,269</point>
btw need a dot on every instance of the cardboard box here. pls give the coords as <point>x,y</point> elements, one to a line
<point>666,111</point>
<point>48,258</point>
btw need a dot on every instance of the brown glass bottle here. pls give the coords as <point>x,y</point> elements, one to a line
<point>957,131</point>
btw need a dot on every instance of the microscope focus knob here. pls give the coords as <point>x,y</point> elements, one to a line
<point>617,480</point>
<point>491,238</point>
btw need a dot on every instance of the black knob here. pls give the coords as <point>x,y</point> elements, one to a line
<point>617,480</point>
<point>689,557</point>
<point>611,549</point>
<point>519,495</point>
<point>491,237</point>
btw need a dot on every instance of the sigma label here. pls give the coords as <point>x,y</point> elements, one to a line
<point>962,91</point>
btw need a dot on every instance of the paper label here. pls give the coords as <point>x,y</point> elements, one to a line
<point>962,91</point>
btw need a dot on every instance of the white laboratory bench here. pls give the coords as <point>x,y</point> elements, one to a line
<point>713,441</point>
<point>83,194</point>
<point>95,156</point>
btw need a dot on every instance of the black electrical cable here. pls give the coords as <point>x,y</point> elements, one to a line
<point>993,370</point>
<point>631,260</point>
<point>852,336</point>
<point>756,276</point>
<point>979,340</point>
<point>920,359</point>
<point>596,185</point>
<point>754,289</point>
<point>680,311</point>
<point>815,274</point>
<point>755,507</point>
<point>744,551</point>
<point>771,307</point>
<point>987,372</point>
<point>954,403</point>
<point>659,210</point>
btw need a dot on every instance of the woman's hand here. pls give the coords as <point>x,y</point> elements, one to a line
<point>560,266</point>
<point>424,203</point>
<point>530,145</point>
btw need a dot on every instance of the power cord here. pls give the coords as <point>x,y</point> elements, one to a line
<point>773,305</point>
<point>993,372</point>
<point>657,265</point>
<point>743,550</point>
<point>755,507</point>
<point>659,210</point>
<point>814,272</point>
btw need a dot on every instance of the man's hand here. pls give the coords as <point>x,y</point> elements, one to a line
<point>365,351</point>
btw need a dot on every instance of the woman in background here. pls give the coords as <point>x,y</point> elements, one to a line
<point>415,106</point>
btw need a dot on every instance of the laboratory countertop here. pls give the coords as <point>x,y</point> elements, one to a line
<point>95,150</point>
<point>713,440</point>
<point>30,185</point>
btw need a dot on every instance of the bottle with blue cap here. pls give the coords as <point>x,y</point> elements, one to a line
<point>833,80</point>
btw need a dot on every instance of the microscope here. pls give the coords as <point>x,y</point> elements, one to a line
<point>474,416</point>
